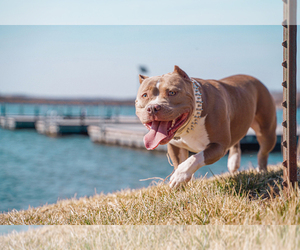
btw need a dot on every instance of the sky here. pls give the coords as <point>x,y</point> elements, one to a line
<point>94,48</point>
<point>141,12</point>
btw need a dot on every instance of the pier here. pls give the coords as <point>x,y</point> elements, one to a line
<point>56,126</point>
<point>57,117</point>
<point>49,125</point>
<point>61,126</point>
<point>18,121</point>
<point>115,130</point>
<point>128,135</point>
<point>107,128</point>
<point>132,136</point>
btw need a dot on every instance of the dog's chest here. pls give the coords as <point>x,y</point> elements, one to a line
<point>195,140</point>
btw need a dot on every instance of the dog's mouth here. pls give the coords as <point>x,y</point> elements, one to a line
<point>161,132</point>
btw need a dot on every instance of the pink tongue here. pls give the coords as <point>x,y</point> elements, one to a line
<point>157,133</point>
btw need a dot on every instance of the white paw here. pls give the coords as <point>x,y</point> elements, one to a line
<point>179,177</point>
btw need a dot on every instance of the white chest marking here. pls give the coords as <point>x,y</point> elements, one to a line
<point>194,141</point>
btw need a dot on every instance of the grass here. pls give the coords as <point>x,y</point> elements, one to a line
<point>245,198</point>
<point>155,237</point>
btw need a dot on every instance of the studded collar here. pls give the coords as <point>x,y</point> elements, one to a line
<point>198,108</point>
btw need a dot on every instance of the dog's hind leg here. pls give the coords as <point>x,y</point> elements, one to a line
<point>234,158</point>
<point>265,130</point>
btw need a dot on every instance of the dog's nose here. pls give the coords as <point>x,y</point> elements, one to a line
<point>153,109</point>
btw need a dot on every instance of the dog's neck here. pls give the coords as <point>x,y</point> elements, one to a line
<point>198,106</point>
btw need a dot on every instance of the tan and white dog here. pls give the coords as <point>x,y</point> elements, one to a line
<point>207,117</point>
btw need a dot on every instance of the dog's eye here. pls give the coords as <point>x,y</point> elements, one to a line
<point>144,95</point>
<point>172,93</point>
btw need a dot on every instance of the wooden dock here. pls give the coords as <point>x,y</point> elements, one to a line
<point>54,125</point>
<point>61,126</point>
<point>77,125</point>
<point>132,136</point>
<point>129,135</point>
<point>18,121</point>
<point>119,130</point>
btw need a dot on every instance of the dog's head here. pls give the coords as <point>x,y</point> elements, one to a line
<point>164,104</point>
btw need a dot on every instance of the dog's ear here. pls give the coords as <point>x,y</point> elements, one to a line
<point>181,73</point>
<point>142,78</point>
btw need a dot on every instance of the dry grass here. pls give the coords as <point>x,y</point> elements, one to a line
<point>245,198</point>
<point>155,237</point>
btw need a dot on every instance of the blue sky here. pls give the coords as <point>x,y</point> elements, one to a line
<point>41,57</point>
<point>154,12</point>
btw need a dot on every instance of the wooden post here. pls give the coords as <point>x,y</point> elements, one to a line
<point>289,94</point>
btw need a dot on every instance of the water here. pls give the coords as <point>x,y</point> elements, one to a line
<point>36,169</point>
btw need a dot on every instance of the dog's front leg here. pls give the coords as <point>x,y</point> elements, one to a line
<point>177,155</point>
<point>186,169</point>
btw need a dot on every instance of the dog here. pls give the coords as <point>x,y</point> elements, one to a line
<point>206,117</point>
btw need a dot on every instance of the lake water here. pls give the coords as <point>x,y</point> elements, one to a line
<point>36,169</point>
